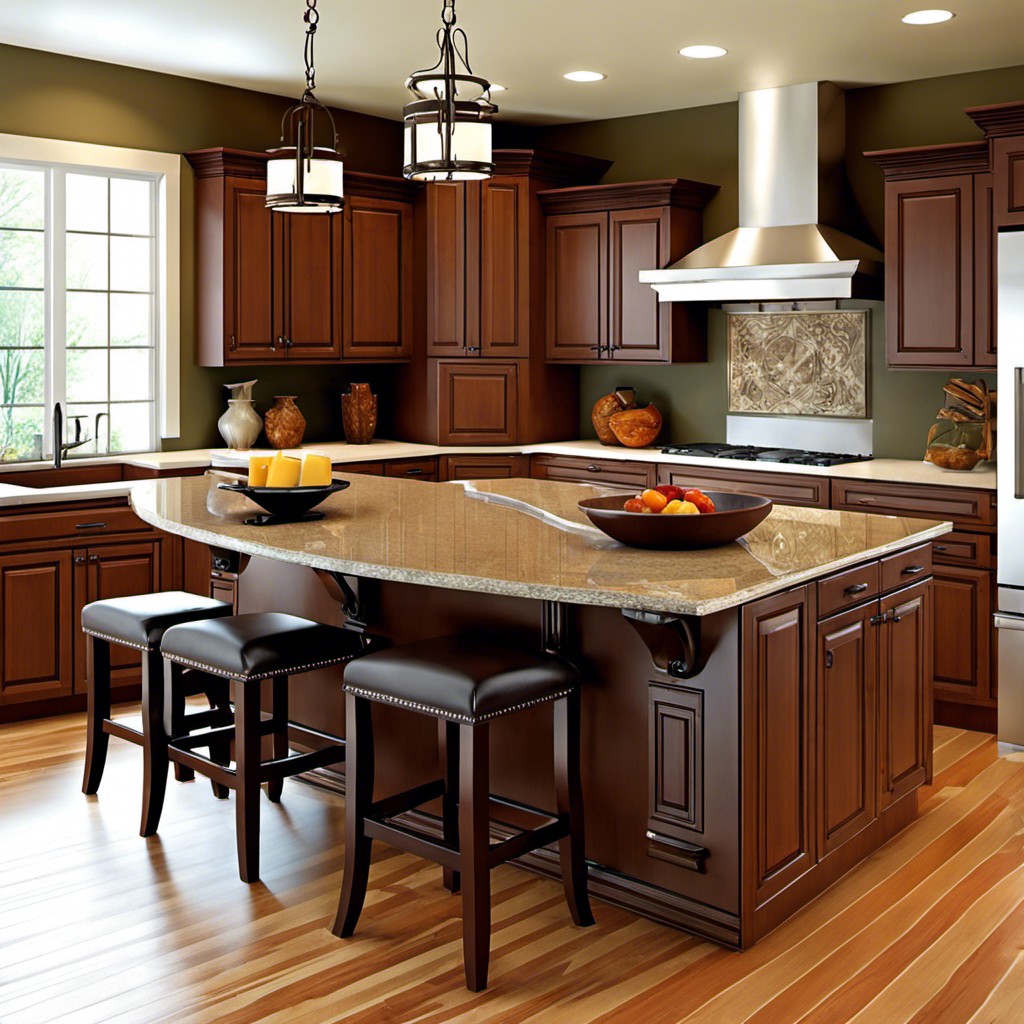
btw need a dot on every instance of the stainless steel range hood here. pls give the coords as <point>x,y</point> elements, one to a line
<point>790,166</point>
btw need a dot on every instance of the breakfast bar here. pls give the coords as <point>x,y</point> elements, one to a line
<point>755,717</point>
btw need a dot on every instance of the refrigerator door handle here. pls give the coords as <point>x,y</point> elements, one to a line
<point>1008,621</point>
<point>1018,424</point>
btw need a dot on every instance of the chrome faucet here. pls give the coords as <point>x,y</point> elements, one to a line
<point>60,446</point>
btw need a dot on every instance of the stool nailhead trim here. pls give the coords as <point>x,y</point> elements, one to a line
<point>284,670</point>
<point>470,719</point>
<point>119,640</point>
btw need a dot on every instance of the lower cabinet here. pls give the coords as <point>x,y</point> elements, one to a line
<point>483,467</point>
<point>630,476</point>
<point>963,611</point>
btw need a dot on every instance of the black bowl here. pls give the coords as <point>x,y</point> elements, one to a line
<point>287,503</point>
<point>734,515</point>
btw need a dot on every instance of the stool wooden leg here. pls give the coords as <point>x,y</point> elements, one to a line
<point>359,770</point>
<point>569,795</point>
<point>218,695</point>
<point>247,792</point>
<point>448,748</point>
<point>279,709</point>
<point>154,738</point>
<point>99,710</point>
<point>474,843</point>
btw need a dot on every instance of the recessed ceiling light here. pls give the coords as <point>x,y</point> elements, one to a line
<point>497,88</point>
<point>703,52</point>
<point>934,17</point>
<point>584,76</point>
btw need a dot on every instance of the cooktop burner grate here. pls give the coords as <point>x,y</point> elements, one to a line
<point>754,453</point>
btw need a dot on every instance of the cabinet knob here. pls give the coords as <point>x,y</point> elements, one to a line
<point>593,469</point>
<point>94,558</point>
<point>79,559</point>
<point>287,342</point>
<point>473,348</point>
<point>273,344</point>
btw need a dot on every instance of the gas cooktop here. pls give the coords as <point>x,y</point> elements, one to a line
<point>753,453</point>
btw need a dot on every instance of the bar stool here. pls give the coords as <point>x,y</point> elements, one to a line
<point>139,622</point>
<point>465,682</point>
<point>248,649</point>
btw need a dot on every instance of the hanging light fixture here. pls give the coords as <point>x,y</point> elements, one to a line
<point>448,124</point>
<point>302,177</point>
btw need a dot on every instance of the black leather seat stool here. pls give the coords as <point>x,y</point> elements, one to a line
<point>247,649</point>
<point>140,622</point>
<point>465,682</point>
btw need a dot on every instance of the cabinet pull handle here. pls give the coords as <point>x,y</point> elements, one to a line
<point>828,659</point>
<point>593,469</point>
<point>941,547</point>
<point>855,588</point>
<point>414,471</point>
<point>79,559</point>
<point>877,620</point>
<point>677,851</point>
<point>896,617</point>
<point>866,501</point>
<point>234,344</point>
<point>913,570</point>
<point>273,345</point>
<point>90,526</point>
<point>287,342</point>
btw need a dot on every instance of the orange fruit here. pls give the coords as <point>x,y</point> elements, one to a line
<point>654,500</point>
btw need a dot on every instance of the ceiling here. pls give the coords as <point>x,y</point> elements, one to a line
<point>365,50</point>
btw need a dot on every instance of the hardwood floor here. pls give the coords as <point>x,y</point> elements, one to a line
<point>98,925</point>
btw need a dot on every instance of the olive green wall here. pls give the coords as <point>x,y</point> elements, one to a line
<point>701,143</point>
<point>53,96</point>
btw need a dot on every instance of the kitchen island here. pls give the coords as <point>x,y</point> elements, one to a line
<point>756,718</point>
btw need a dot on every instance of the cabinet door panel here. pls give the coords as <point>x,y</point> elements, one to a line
<point>477,403</point>
<point>929,275</point>
<point>577,286</point>
<point>38,624</point>
<point>309,293</point>
<point>847,759</point>
<point>248,274</point>
<point>778,715</point>
<point>962,611</point>
<point>119,570</point>
<point>676,761</point>
<point>639,326</point>
<point>446,253</point>
<point>378,279</point>
<point>905,672</point>
<point>504,259</point>
<point>1008,163</point>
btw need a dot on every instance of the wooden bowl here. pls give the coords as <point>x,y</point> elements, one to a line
<point>735,515</point>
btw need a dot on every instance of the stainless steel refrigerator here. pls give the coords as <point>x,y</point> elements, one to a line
<point>1010,577</point>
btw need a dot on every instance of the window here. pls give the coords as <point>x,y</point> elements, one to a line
<point>84,315</point>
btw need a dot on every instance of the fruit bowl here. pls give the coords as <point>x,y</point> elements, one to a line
<point>286,504</point>
<point>734,515</point>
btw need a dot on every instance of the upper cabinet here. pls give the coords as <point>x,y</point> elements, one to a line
<point>598,240</point>
<point>1003,125</point>
<point>310,289</point>
<point>485,255</point>
<point>939,244</point>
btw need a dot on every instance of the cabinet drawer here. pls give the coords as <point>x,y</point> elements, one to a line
<point>974,508</point>
<point>845,589</point>
<point>783,488</point>
<point>414,469</point>
<point>370,468</point>
<point>482,467</point>
<point>957,548</point>
<point>635,476</point>
<point>906,567</point>
<point>79,525</point>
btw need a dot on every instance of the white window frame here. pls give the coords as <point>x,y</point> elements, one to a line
<point>167,170</point>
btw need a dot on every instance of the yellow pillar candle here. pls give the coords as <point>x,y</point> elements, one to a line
<point>316,470</point>
<point>284,472</point>
<point>259,467</point>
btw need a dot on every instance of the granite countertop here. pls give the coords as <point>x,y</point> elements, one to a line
<point>910,471</point>
<point>526,538</point>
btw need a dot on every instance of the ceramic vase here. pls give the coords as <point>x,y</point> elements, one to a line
<point>284,424</point>
<point>359,414</point>
<point>241,424</point>
<point>622,398</point>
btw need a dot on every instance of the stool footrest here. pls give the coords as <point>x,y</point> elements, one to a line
<point>527,841</point>
<point>122,731</point>
<point>305,734</point>
<point>412,841</point>
<point>218,772</point>
<point>293,764</point>
<point>407,800</point>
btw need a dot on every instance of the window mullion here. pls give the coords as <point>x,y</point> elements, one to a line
<point>57,294</point>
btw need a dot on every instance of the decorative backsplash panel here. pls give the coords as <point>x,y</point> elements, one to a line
<point>800,363</point>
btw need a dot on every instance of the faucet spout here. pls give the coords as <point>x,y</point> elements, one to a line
<point>58,434</point>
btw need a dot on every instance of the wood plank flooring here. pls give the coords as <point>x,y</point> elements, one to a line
<point>98,926</point>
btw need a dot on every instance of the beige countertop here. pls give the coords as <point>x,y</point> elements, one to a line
<point>534,544</point>
<point>908,471</point>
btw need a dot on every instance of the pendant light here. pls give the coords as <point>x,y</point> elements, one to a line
<point>302,177</point>
<point>448,124</point>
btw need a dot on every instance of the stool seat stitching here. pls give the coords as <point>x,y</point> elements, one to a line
<point>282,670</point>
<point>119,640</point>
<point>454,715</point>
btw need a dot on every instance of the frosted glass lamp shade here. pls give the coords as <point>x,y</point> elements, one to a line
<point>469,157</point>
<point>320,190</point>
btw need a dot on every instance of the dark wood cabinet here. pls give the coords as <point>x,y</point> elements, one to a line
<point>783,488</point>
<point>1003,125</point>
<point>477,404</point>
<point>630,476</point>
<point>973,509</point>
<point>598,240</point>
<point>779,805</point>
<point>847,662</point>
<point>483,467</point>
<point>964,649</point>
<point>309,289</point>
<point>939,241</point>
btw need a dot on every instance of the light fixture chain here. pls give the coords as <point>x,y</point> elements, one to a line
<point>311,18</point>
